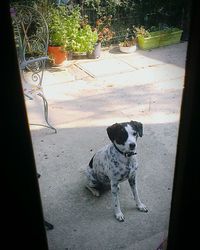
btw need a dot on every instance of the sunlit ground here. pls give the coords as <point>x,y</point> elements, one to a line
<point>146,85</point>
<point>84,98</point>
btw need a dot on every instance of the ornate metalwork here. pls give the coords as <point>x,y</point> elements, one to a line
<point>31,38</point>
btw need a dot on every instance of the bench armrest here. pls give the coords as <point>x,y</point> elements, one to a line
<point>24,64</point>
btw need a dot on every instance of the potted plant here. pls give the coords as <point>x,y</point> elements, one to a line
<point>105,34</point>
<point>157,37</point>
<point>83,38</point>
<point>57,34</point>
<point>129,44</point>
<point>68,31</point>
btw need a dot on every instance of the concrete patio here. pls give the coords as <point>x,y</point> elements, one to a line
<point>85,96</point>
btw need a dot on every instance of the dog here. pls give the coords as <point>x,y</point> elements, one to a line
<point>115,163</point>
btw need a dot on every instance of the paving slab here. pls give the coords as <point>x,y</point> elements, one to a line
<point>105,67</point>
<point>81,107</point>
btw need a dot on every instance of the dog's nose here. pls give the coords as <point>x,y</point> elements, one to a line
<point>132,146</point>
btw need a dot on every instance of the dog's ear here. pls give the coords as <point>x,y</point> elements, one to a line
<point>112,131</point>
<point>138,126</point>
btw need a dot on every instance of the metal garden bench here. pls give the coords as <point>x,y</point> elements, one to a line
<point>31,38</point>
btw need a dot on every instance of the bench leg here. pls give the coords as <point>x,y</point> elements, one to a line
<point>46,111</point>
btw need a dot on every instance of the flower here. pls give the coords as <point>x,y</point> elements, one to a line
<point>141,31</point>
<point>129,40</point>
<point>103,29</point>
<point>128,43</point>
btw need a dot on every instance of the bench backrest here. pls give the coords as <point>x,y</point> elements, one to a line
<point>31,37</point>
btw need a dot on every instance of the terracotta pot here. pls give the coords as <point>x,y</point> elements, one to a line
<point>57,54</point>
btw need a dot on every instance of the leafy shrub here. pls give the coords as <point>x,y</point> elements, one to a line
<point>67,28</point>
<point>83,40</point>
<point>56,20</point>
<point>103,28</point>
<point>141,31</point>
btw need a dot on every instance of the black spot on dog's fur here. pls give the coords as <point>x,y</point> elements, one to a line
<point>121,136</point>
<point>117,133</point>
<point>138,127</point>
<point>116,173</point>
<point>132,181</point>
<point>122,176</point>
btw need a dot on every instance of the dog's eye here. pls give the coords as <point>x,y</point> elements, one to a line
<point>134,133</point>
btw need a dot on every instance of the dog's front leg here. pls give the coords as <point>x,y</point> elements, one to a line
<point>133,183</point>
<point>115,200</point>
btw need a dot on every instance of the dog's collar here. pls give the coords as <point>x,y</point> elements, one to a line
<point>126,154</point>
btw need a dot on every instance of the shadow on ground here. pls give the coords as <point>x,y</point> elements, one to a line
<point>81,110</point>
<point>85,222</point>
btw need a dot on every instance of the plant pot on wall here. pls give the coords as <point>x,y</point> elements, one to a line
<point>129,44</point>
<point>160,38</point>
<point>96,52</point>
<point>57,54</point>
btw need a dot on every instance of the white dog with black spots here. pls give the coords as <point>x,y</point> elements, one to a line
<point>117,162</point>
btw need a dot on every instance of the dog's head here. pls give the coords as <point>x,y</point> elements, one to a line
<point>124,135</point>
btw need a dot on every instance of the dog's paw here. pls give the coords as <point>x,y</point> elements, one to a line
<point>141,207</point>
<point>94,191</point>
<point>120,217</point>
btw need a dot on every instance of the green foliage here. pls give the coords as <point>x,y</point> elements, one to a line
<point>25,2</point>
<point>130,38</point>
<point>103,7</point>
<point>81,37</point>
<point>103,29</point>
<point>154,30</point>
<point>56,19</point>
<point>141,31</point>
<point>67,28</point>
<point>84,40</point>
<point>128,43</point>
<point>127,13</point>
